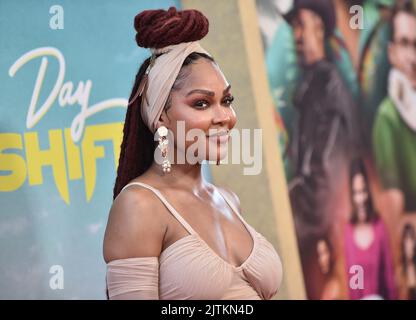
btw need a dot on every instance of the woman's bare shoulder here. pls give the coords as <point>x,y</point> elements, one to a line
<point>135,226</point>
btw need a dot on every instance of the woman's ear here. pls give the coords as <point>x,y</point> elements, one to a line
<point>163,120</point>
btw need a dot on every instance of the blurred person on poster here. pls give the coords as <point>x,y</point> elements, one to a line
<point>332,289</point>
<point>408,262</point>
<point>357,47</point>
<point>326,135</point>
<point>367,243</point>
<point>394,132</point>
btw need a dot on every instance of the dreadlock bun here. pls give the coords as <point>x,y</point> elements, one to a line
<point>161,28</point>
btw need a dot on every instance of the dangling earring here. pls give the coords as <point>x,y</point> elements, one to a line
<point>162,131</point>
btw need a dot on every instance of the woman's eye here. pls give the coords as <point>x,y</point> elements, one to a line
<point>228,100</point>
<point>201,104</point>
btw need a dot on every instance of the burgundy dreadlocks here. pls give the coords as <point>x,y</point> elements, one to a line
<point>155,29</point>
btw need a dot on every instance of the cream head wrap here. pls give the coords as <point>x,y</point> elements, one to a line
<point>160,77</point>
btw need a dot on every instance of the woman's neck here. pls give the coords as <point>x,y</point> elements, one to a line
<point>362,224</point>
<point>181,176</point>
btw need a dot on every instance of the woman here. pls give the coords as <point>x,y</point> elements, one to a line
<point>367,247</point>
<point>170,233</point>
<point>326,261</point>
<point>408,250</point>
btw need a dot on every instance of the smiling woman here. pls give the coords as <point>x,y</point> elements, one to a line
<point>170,233</point>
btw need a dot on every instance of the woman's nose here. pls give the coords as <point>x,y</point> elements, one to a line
<point>221,115</point>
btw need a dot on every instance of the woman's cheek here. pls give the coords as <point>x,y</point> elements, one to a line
<point>233,118</point>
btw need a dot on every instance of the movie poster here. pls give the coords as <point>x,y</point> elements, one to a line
<point>342,75</point>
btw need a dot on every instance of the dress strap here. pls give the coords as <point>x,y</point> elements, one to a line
<point>166,203</point>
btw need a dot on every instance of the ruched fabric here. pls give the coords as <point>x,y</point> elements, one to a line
<point>190,269</point>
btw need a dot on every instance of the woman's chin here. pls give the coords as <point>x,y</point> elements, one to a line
<point>218,149</point>
<point>219,155</point>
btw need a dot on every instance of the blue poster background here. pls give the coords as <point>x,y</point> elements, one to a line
<point>56,185</point>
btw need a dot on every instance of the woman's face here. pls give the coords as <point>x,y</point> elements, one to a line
<point>323,256</point>
<point>202,102</point>
<point>409,246</point>
<point>360,196</point>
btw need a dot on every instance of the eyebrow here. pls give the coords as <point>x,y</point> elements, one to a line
<point>207,92</point>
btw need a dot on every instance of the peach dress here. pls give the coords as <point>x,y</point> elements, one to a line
<point>190,269</point>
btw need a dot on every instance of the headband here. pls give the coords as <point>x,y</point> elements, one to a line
<point>159,78</point>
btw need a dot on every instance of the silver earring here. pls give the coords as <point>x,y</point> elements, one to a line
<point>162,131</point>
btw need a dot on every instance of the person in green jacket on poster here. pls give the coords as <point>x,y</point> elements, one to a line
<point>394,131</point>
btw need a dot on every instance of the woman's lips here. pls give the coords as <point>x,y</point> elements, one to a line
<point>220,137</point>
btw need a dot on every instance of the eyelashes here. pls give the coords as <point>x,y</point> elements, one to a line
<point>229,100</point>
<point>204,103</point>
<point>201,104</point>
